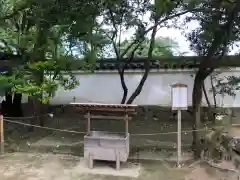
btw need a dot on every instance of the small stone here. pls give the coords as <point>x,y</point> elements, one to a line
<point>155,119</point>
<point>50,115</point>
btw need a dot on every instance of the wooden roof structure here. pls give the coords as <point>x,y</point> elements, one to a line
<point>105,107</point>
<point>90,108</point>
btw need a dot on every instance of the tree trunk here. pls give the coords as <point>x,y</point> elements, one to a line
<point>213,91</point>
<point>31,112</point>
<point>141,84</point>
<point>35,110</point>
<point>121,74</point>
<point>146,65</point>
<point>39,55</point>
<point>196,99</point>
<point>210,114</point>
<point>17,105</point>
<point>207,66</point>
<point>124,86</point>
<point>206,96</point>
<point>8,104</point>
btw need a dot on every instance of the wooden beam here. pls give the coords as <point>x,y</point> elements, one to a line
<point>107,117</point>
<point>104,105</point>
<point>129,110</point>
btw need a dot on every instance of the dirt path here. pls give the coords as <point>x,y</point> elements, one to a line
<point>26,166</point>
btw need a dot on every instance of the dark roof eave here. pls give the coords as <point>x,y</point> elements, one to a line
<point>9,56</point>
<point>175,62</point>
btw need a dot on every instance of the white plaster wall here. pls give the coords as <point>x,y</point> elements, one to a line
<point>105,87</point>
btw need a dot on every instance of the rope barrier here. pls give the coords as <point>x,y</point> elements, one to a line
<point>10,119</point>
<point>184,131</point>
<point>166,133</point>
<point>47,128</point>
<point>77,132</point>
<point>30,117</point>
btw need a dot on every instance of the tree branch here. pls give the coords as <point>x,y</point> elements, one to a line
<point>121,74</point>
<point>146,65</point>
<point>206,96</point>
<point>160,22</point>
<point>222,36</point>
<point>213,91</point>
<point>114,34</point>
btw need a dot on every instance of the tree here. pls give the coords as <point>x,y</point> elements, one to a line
<point>83,27</point>
<point>164,46</point>
<point>119,18</point>
<point>38,32</point>
<point>219,29</point>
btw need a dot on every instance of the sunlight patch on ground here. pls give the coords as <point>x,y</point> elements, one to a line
<point>127,169</point>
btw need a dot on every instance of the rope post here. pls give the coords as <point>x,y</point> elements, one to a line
<point>88,123</point>
<point>1,135</point>
<point>126,123</point>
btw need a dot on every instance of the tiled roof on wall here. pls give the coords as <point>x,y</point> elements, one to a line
<point>8,56</point>
<point>7,61</point>
<point>176,62</point>
<point>155,64</point>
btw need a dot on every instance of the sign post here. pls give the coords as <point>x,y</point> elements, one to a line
<point>1,135</point>
<point>179,103</point>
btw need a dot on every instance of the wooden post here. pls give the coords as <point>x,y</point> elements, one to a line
<point>126,123</point>
<point>1,135</point>
<point>179,143</point>
<point>90,161</point>
<point>88,122</point>
<point>117,160</point>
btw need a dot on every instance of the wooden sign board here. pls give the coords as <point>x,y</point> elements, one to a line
<point>179,97</point>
